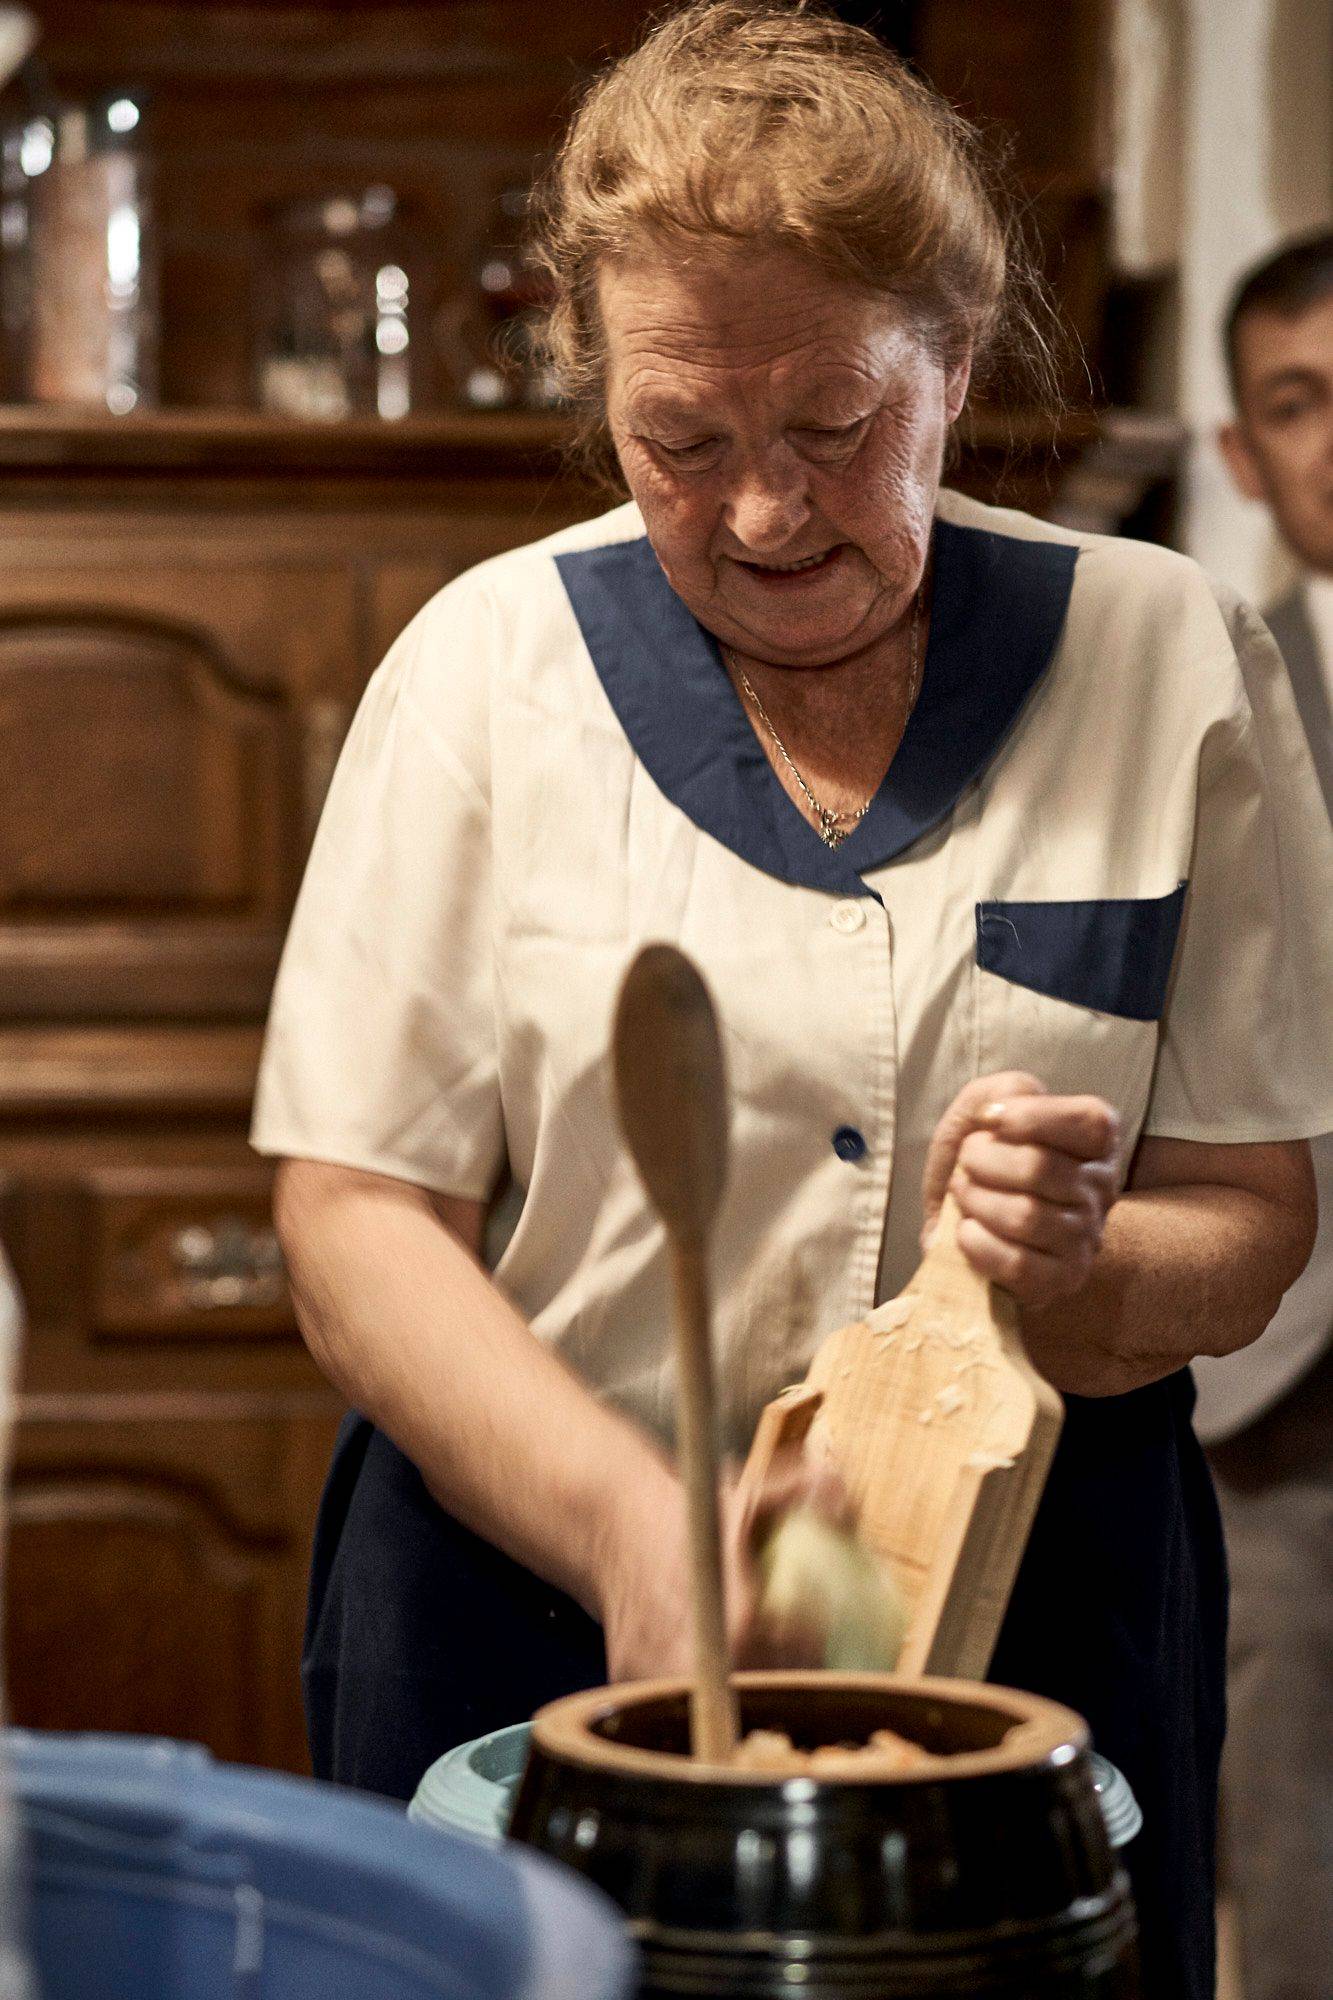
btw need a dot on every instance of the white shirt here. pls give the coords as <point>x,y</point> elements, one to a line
<point>1098,856</point>
<point>1319,603</point>
<point>1233,1392</point>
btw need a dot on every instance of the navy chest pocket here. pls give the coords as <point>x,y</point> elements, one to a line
<point>1113,955</point>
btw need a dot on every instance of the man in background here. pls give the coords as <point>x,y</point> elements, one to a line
<point>1266,1415</point>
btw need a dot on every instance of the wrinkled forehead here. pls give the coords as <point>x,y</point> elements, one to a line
<point>756,324</point>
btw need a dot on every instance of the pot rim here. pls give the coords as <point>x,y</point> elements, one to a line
<point>1042,1732</point>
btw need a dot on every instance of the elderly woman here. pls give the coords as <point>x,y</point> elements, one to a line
<point>998,846</point>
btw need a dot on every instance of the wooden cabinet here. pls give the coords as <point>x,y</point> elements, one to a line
<point>188,613</point>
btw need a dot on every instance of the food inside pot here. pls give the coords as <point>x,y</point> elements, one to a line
<point>789,1718</point>
<point>885,1755</point>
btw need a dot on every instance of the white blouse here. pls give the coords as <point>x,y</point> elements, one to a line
<point>1099,855</point>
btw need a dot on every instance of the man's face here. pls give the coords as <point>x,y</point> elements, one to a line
<point>1280,448</point>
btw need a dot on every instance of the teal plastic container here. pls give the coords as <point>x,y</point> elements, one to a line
<point>472,1789</point>
<point>1120,1809</point>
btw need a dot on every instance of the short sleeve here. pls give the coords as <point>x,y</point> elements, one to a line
<point>1247,1046</point>
<point>380,1050</point>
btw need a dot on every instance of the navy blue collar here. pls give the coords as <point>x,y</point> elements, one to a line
<point>997,609</point>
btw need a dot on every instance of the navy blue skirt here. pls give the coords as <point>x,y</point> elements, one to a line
<point>421,1635</point>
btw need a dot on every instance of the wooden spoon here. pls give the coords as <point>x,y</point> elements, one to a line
<point>671,1088</point>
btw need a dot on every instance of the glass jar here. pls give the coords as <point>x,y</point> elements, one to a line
<point>489,339</point>
<point>15,267</point>
<point>341,282</point>
<point>92,257</point>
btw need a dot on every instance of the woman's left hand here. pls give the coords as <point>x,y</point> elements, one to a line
<point>1034,1177</point>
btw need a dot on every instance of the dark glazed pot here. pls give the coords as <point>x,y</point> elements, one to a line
<point>991,1877</point>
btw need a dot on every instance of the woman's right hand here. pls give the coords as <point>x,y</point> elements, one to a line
<point>644,1586</point>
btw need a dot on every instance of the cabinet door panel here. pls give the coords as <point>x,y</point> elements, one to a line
<point>277,621</point>
<point>155,1579</point>
<point>150,1629</point>
<point>147,797</point>
<point>135,777</point>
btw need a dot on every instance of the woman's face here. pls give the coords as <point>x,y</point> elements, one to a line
<point>782,436</point>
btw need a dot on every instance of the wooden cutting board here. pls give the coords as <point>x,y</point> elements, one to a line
<point>942,1432</point>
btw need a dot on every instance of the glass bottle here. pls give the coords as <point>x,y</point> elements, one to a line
<point>92,257</point>
<point>341,283</point>
<point>15,266</point>
<point>489,339</point>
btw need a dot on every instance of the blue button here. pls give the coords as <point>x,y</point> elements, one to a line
<point>849,1144</point>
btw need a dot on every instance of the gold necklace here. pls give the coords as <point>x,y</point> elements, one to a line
<point>834,827</point>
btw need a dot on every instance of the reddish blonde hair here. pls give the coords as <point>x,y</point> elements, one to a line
<point>755,121</point>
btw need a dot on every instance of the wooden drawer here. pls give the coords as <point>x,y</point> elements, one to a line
<point>183,1252</point>
<point>148,1263</point>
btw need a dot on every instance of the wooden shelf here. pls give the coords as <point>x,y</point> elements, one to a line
<point>227,442</point>
<point>48,1071</point>
<point>1090,470</point>
<point>43,433</point>
<point>50,438</point>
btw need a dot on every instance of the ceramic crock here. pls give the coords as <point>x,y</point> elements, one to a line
<point>990,1875</point>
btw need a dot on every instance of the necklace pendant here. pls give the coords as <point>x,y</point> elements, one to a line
<point>829,831</point>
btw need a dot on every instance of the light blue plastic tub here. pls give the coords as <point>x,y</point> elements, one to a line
<point>472,1789</point>
<point>156,1874</point>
